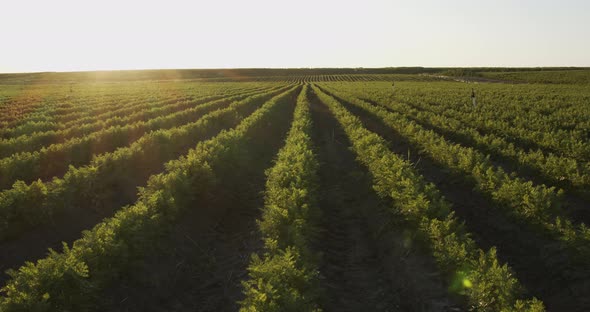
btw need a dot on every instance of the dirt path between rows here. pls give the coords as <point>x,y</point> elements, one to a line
<point>540,264</point>
<point>203,260</point>
<point>363,270</point>
<point>67,226</point>
<point>575,199</point>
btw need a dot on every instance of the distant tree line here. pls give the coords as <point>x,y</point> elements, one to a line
<point>241,73</point>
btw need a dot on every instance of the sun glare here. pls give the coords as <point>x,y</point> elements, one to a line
<point>67,35</point>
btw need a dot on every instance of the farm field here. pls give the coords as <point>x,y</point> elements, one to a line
<point>308,191</point>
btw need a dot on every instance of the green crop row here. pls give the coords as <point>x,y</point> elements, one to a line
<point>133,114</point>
<point>536,205</point>
<point>20,105</point>
<point>534,117</point>
<point>478,275</point>
<point>75,112</point>
<point>113,177</point>
<point>43,113</point>
<point>72,280</point>
<point>59,109</point>
<point>285,277</point>
<point>55,159</point>
<point>557,170</point>
<point>530,107</point>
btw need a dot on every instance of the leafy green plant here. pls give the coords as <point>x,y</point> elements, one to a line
<point>112,246</point>
<point>472,272</point>
<point>285,276</point>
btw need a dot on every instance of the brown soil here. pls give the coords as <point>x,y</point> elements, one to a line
<point>202,261</point>
<point>575,200</point>
<point>367,263</point>
<point>540,264</point>
<point>68,225</point>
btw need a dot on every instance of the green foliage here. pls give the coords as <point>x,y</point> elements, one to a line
<point>461,72</point>
<point>53,160</point>
<point>540,131</point>
<point>279,283</point>
<point>581,77</point>
<point>538,205</point>
<point>72,280</point>
<point>557,170</point>
<point>285,277</point>
<point>114,176</point>
<point>484,293</point>
<point>486,285</point>
<point>33,286</point>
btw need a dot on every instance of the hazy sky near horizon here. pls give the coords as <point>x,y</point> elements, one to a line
<point>70,35</point>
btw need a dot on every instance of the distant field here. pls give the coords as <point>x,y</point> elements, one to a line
<point>559,75</point>
<point>554,77</point>
<point>294,191</point>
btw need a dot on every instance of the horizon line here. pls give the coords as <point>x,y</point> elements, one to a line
<point>296,68</point>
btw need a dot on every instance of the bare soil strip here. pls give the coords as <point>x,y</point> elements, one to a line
<point>69,224</point>
<point>366,262</point>
<point>576,207</point>
<point>540,263</point>
<point>523,143</point>
<point>204,258</point>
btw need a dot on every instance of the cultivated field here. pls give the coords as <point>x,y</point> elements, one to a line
<point>302,192</point>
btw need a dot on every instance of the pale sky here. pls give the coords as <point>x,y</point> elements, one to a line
<point>70,35</point>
